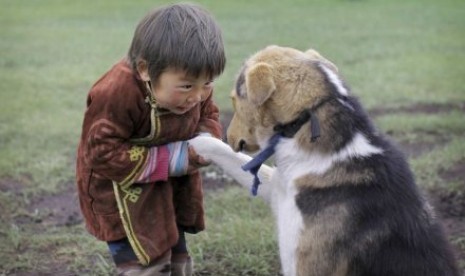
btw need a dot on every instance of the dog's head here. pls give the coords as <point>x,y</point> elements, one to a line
<point>273,87</point>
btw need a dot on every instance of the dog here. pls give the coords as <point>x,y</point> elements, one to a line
<point>344,197</point>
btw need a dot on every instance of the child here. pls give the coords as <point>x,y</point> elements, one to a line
<point>138,183</point>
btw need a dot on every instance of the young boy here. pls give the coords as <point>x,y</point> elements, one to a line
<point>138,183</point>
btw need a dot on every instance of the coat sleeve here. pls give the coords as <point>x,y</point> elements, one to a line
<point>109,122</point>
<point>209,118</point>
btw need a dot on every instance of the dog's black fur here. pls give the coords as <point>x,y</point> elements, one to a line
<point>409,240</point>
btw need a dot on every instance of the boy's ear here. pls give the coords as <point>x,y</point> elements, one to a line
<point>143,70</point>
<point>259,83</point>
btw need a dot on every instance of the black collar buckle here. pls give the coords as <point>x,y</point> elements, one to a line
<point>288,130</point>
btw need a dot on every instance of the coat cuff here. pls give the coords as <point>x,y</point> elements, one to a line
<point>157,164</point>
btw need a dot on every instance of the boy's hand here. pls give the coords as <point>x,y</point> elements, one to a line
<point>195,161</point>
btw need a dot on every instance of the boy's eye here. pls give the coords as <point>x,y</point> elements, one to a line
<point>187,86</point>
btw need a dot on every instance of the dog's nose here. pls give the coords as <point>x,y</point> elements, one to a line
<point>241,145</point>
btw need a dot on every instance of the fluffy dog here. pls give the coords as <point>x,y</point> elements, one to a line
<point>344,198</point>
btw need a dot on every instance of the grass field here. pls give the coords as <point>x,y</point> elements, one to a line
<point>405,59</point>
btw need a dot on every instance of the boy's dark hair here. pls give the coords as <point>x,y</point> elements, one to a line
<point>179,36</point>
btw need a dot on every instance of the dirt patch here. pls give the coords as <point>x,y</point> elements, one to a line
<point>450,204</point>
<point>413,148</point>
<point>60,209</point>
<point>450,208</point>
<point>455,174</point>
<point>9,185</point>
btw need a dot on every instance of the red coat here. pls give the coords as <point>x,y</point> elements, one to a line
<point>109,161</point>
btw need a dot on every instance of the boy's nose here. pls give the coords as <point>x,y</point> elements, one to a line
<point>195,97</point>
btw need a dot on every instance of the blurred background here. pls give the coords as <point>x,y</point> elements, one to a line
<point>404,59</point>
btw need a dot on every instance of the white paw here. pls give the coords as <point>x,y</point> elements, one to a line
<point>206,146</point>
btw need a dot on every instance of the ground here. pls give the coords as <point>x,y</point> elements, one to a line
<point>61,209</point>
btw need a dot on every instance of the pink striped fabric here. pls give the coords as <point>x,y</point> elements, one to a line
<point>157,165</point>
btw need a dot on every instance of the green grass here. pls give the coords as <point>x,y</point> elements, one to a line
<point>240,239</point>
<point>392,54</point>
<point>37,249</point>
<point>429,165</point>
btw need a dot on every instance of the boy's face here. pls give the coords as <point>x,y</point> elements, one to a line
<point>177,92</point>
<point>180,93</point>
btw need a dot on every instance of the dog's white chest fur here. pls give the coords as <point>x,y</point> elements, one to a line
<point>289,221</point>
<point>291,164</point>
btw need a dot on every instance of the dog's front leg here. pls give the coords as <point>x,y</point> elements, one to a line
<point>230,162</point>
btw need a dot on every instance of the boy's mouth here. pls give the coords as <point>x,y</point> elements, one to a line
<point>186,107</point>
<point>183,108</point>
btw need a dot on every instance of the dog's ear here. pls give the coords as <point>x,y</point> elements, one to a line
<point>259,83</point>
<point>315,55</point>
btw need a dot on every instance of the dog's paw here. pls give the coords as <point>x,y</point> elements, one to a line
<point>207,146</point>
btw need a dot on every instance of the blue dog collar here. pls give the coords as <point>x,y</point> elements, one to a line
<point>254,165</point>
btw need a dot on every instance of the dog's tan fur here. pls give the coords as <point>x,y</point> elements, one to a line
<point>340,175</point>
<point>270,75</point>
